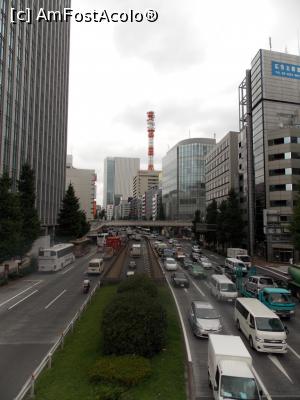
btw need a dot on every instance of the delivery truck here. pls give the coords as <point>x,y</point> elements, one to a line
<point>240,254</point>
<point>230,371</point>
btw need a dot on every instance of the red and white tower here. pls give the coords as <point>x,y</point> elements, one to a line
<point>151,129</point>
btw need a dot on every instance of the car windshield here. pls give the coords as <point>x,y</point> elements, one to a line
<point>244,258</point>
<point>269,324</point>
<point>228,287</point>
<point>179,276</point>
<point>266,281</point>
<point>206,313</point>
<point>280,298</point>
<point>233,387</point>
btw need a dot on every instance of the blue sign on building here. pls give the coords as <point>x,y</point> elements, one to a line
<point>285,70</point>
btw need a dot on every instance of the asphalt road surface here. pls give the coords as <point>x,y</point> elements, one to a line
<point>279,374</point>
<point>34,311</point>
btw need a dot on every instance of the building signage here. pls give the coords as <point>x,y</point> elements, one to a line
<point>285,70</point>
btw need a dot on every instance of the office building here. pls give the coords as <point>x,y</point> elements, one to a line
<point>34,79</point>
<point>145,180</point>
<point>221,169</point>
<point>84,184</point>
<point>270,129</point>
<point>151,204</point>
<point>183,178</point>
<point>118,179</point>
<point>122,211</point>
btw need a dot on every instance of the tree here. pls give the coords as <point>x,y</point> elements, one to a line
<point>30,219</point>
<point>196,220</point>
<point>211,218</point>
<point>10,220</point>
<point>295,224</point>
<point>69,219</point>
<point>233,223</point>
<point>84,224</point>
<point>221,225</point>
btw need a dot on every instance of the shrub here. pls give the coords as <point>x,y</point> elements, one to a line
<point>139,282</point>
<point>134,323</point>
<point>125,370</point>
<point>108,392</point>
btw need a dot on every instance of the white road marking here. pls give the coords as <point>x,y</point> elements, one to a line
<point>278,364</point>
<point>187,345</point>
<point>56,298</point>
<point>293,351</point>
<point>267,394</point>
<point>199,290</point>
<point>185,290</point>
<point>206,284</point>
<point>67,270</point>
<point>30,287</point>
<point>20,301</point>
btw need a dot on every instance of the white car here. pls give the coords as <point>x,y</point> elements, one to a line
<point>170,264</point>
<point>196,249</point>
<point>206,264</point>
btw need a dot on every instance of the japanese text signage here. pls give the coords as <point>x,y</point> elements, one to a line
<point>285,70</point>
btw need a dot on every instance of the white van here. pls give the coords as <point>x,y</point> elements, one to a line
<point>95,266</point>
<point>223,288</point>
<point>261,326</point>
<point>234,264</point>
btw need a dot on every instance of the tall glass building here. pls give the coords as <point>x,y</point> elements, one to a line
<point>34,78</point>
<point>183,178</point>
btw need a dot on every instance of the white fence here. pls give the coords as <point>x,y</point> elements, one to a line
<point>47,361</point>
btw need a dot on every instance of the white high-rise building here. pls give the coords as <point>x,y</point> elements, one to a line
<point>83,181</point>
<point>118,179</point>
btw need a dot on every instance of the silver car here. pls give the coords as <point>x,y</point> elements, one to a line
<point>256,282</point>
<point>204,319</point>
<point>170,264</point>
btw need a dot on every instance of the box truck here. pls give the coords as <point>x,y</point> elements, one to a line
<point>230,370</point>
<point>240,254</point>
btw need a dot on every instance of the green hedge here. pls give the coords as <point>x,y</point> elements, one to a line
<point>139,282</point>
<point>124,370</point>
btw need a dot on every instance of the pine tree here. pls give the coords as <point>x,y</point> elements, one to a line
<point>69,219</point>
<point>10,221</point>
<point>30,219</point>
<point>84,225</point>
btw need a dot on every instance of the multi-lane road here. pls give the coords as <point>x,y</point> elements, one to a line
<point>279,374</point>
<point>34,311</point>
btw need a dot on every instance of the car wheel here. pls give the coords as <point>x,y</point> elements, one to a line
<point>251,342</point>
<point>238,325</point>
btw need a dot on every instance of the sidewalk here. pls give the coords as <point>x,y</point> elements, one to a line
<point>280,267</point>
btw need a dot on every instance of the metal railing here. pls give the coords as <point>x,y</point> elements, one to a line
<point>29,386</point>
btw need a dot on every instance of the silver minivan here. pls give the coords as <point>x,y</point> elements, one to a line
<point>256,282</point>
<point>222,287</point>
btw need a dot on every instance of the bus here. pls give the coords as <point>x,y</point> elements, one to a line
<point>56,257</point>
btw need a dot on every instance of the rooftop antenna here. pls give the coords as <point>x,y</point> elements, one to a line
<point>270,43</point>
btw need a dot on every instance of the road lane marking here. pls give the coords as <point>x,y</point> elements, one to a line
<point>261,384</point>
<point>30,287</point>
<point>20,301</point>
<point>185,289</point>
<point>67,270</point>
<point>293,351</point>
<point>187,345</point>
<point>56,298</point>
<point>206,284</point>
<point>278,364</point>
<point>199,290</point>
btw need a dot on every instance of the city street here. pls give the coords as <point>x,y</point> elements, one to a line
<point>279,374</point>
<point>34,311</point>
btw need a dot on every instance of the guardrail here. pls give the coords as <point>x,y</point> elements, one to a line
<point>29,386</point>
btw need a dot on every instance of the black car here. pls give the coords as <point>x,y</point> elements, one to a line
<point>186,263</point>
<point>179,279</point>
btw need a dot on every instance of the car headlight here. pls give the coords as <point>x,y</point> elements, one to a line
<point>284,342</point>
<point>258,339</point>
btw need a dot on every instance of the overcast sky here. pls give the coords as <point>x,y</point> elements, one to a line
<point>186,67</point>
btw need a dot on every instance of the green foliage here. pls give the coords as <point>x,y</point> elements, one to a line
<point>221,225</point>
<point>295,224</point>
<point>211,218</point>
<point>30,220</point>
<point>10,220</point>
<point>108,392</point>
<point>197,219</point>
<point>139,282</point>
<point>126,370</point>
<point>134,323</point>
<point>71,220</point>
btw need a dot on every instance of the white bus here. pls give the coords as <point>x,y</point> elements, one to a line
<point>56,257</point>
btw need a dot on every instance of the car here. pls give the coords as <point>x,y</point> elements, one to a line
<point>255,283</point>
<point>186,263</point>
<point>206,264</point>
<point>171,241</point>
<point>196,249</point>
<point>170,264</point>
<point>132,264</point>
<point>204,319</point>
<point>195,256</point>
<point>179,279</point>
<point>129,273</point>
<point>197,271</point>
<point>219,269</point>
